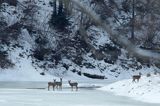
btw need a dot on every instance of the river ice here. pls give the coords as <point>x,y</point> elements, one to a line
<point>84,97</point>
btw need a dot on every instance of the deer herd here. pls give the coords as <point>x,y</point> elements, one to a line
<point>58,85</point>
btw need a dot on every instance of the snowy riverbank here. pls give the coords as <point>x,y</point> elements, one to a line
<point>147,90</point>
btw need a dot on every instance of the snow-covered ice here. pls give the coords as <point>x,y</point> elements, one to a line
<point>66,97</point>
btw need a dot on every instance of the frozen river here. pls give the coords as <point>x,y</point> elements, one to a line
<point>36,94</point>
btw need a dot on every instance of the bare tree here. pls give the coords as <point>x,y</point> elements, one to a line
<point>123,41</point>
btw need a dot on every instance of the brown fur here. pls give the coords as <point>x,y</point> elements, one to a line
<point>136,77</point>
<point>51,84</point>
<point>59,84</point>
<point>73,84</point>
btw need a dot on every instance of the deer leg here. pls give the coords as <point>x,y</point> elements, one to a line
<point>61,88</point>
<point>53,87</point>
<point>57,87</point>
<point>76,88</point>
<point>133,80</point>
<point>48,87</point>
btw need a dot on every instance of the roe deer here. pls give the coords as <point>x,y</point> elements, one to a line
<point>136,77</point>
<point>59,84</point>
<point>51,84</point>
<point>73,84</point>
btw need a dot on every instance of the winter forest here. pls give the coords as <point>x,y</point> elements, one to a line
<point>106,50</point>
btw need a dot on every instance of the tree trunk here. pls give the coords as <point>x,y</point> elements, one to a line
<point>133,20</point>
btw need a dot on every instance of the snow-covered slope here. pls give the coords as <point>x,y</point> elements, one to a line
<point>147,89</point>
<point>23,69</point>
<point>115,65</point>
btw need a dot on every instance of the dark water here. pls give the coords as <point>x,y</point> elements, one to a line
<point>43,85</point>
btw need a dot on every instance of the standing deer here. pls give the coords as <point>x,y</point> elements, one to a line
<point>51,84</point>
<point>136,77</point>
<point>59,84</point>
<point>73,84</point>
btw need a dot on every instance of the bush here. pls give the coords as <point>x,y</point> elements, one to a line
<point>59,18</point>
<point>148,74</point>
<point>41,53</point>
<point>94,76</point>
<point>60,22</point>
<point>4,61</point>
<point>2,23</point>
<point>10,33</point>
<point>155,73</point>
<point>10,2</point>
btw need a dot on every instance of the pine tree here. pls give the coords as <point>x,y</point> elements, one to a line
<point>59,18</point>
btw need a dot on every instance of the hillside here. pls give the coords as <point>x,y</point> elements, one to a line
<point>42,39</point>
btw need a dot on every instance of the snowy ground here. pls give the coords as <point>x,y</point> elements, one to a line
<point>146,90</point>
<point>41,97</point>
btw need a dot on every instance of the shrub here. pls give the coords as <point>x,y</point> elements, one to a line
<point>148,74</point>
<point>41,53</point>
<point>4,61</point>
<point>10,2</point>
<point>94,76</point>
<point>155,72</point>
<point>59,18</point>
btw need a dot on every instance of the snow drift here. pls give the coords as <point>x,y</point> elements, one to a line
<point>146,90</point>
